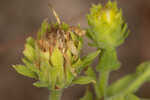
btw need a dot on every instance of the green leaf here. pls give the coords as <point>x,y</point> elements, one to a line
<point>130,83</point>
<point>61,76</point>
<point>48,74</point>
<point>108,61</point>
<point>45,55</point>
<point>31,41</point>
<point>89,58</point>
<point>119,85</point>
<point>57,59</point>
<point>23,70</point>
<point>29,52</point>
<point>77,64</point>
<point>43,29</point>
<point>88,95</point>
<point>40,84</point>
<point>84,80</point>
<point>85,61</point>
<point>45,69</point>
<point>90,35</point>
<point>53,74</point>
<point>125,32</point>
<point>30,66</point>
<point>69,75</point>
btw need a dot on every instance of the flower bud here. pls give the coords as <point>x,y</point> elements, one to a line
<point>54,57</point>
<point>107,27</point>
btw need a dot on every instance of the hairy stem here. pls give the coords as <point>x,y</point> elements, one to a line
<point>55,95</point>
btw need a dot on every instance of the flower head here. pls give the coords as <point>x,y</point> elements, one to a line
<point>107,27</point>
<point>54,57</point>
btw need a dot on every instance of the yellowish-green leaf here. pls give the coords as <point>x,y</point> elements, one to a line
<point>30,65</point>
<point>84,80</point>
<point>40,84</point>
<point>69,75</point>
<point>89,58</point>
<point>130,83</point>
<point>45,55</point>
<point>43,29</point>
<point>23,70</point>
<point>53,77</point>
<point>77,64</point>
<point>44,71</point>
<point>29,52</point>
<point>31,41</point>
<point>57,59</point>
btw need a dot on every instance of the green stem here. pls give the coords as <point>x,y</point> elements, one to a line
<point>103,83</point>
<point>55,95</point>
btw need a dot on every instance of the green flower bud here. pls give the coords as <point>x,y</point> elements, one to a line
<point>107,27</point>
<point>63,46</point>
<point>54,57</point>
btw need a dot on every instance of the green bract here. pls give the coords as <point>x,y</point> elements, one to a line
<point>106,25</point>
<point>54,57</point>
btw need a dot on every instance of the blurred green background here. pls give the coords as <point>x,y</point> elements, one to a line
<point>22,18</point>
